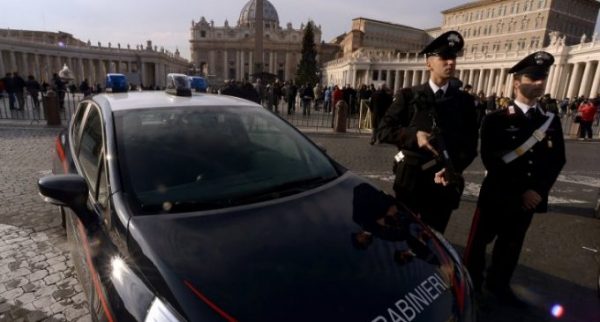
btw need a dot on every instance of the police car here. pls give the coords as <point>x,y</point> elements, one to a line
<point>198,207</point>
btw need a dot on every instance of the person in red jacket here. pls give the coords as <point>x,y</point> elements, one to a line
<point>587,110</point>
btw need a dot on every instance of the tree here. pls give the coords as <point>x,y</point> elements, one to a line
<point>307,69</point>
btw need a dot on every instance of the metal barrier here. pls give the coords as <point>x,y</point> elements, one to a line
<point>315,116</point>
<point>37,112</point>
<point>571,129</point>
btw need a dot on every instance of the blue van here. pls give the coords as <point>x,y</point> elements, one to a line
<point>199,84</point>
<point>116,83</point>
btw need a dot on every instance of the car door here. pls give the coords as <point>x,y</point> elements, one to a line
<point>90,237</point>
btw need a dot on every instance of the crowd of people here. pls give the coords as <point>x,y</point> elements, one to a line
<point>582,110</point>
<point>13,86</point>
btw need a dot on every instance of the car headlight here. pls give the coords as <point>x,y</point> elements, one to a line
<point>160,312</point>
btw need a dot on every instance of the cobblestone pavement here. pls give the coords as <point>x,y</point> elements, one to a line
<point>37,277</point>
<point>558,264</point>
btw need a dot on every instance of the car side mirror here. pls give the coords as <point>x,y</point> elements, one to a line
<point>69,190</point>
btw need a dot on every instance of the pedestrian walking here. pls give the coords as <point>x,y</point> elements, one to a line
<point>434,126</point>
<point>33,88</point>
<point>9,87</point>
<point>523,151</point>
<point>19,86</point>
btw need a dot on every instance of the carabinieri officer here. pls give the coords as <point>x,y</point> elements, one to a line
<point>434,125</point>
<point>523,151</point>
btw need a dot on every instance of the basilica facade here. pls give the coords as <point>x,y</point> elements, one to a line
<point>227,52</point>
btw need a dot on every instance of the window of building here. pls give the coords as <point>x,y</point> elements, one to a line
<point>203,33</point>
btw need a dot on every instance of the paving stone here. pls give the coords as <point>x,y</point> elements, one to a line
<point>26,298</point>
<point>35,316</point>
<point>12,294</point>
<point>72,313</point>
<point>38,275</point>
<point>52,279</point>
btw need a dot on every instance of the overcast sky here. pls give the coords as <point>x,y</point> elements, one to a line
<point>167,23</point>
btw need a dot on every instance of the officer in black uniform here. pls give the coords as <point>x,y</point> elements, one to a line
<point>523,150</point>
<point>435,128</point>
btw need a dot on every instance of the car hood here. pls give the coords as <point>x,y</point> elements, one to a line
<point>293,259</point>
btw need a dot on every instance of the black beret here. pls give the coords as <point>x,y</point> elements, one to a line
<point>447,44</point>
<point>537,65</point>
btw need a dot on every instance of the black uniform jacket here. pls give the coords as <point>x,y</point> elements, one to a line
<point>505,130</point>
<point>412,111</point>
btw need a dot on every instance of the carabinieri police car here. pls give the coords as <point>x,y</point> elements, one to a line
<point>196,207</point>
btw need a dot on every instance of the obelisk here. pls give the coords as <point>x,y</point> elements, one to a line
<point>258,45</point>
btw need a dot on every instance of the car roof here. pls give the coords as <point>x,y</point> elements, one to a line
<point>158,99</point>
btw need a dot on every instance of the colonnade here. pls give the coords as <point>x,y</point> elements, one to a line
<point>91,63</point>
<point>239,64</point>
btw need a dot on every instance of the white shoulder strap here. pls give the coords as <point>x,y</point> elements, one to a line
<point>536,137</point>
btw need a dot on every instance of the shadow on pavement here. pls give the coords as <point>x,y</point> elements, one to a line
<point>16,313</point>
<point>543,293</point>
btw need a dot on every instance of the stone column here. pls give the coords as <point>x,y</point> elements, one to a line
<point>275,64</point>
<point>470,82</point>
<point>571,91</point>
<point>2,68</point>
<point>461,74</point>
<point>48,69</point>
<point>501,82</point>
<point>596,82</point>
<point>157,75</point>
<point>37,73</point>
<point>242,64</point>
<point>26,70</point>
<point>415,78</point>
<point>405,82</point>
<point>424,76</point>
<point>556,80</point>
<point>397,81</point>
<point>480,81</point>
<point>225,65</point>
<point>143,75</point>
<point>80,71</point>
<point>13,62</point>
<point>490,84</point>
<point>586,78</point>
<point>509,86</point>
<point>211,62</point>
<point>550,79</point>
<point>250,63</point>
<point>237,65</point>
<point>92,72</point>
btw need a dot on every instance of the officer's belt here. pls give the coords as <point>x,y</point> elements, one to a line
<point>537,136</point>
<point>402,154</point>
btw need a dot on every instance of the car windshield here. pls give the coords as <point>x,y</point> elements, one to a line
<point>199,158</point>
